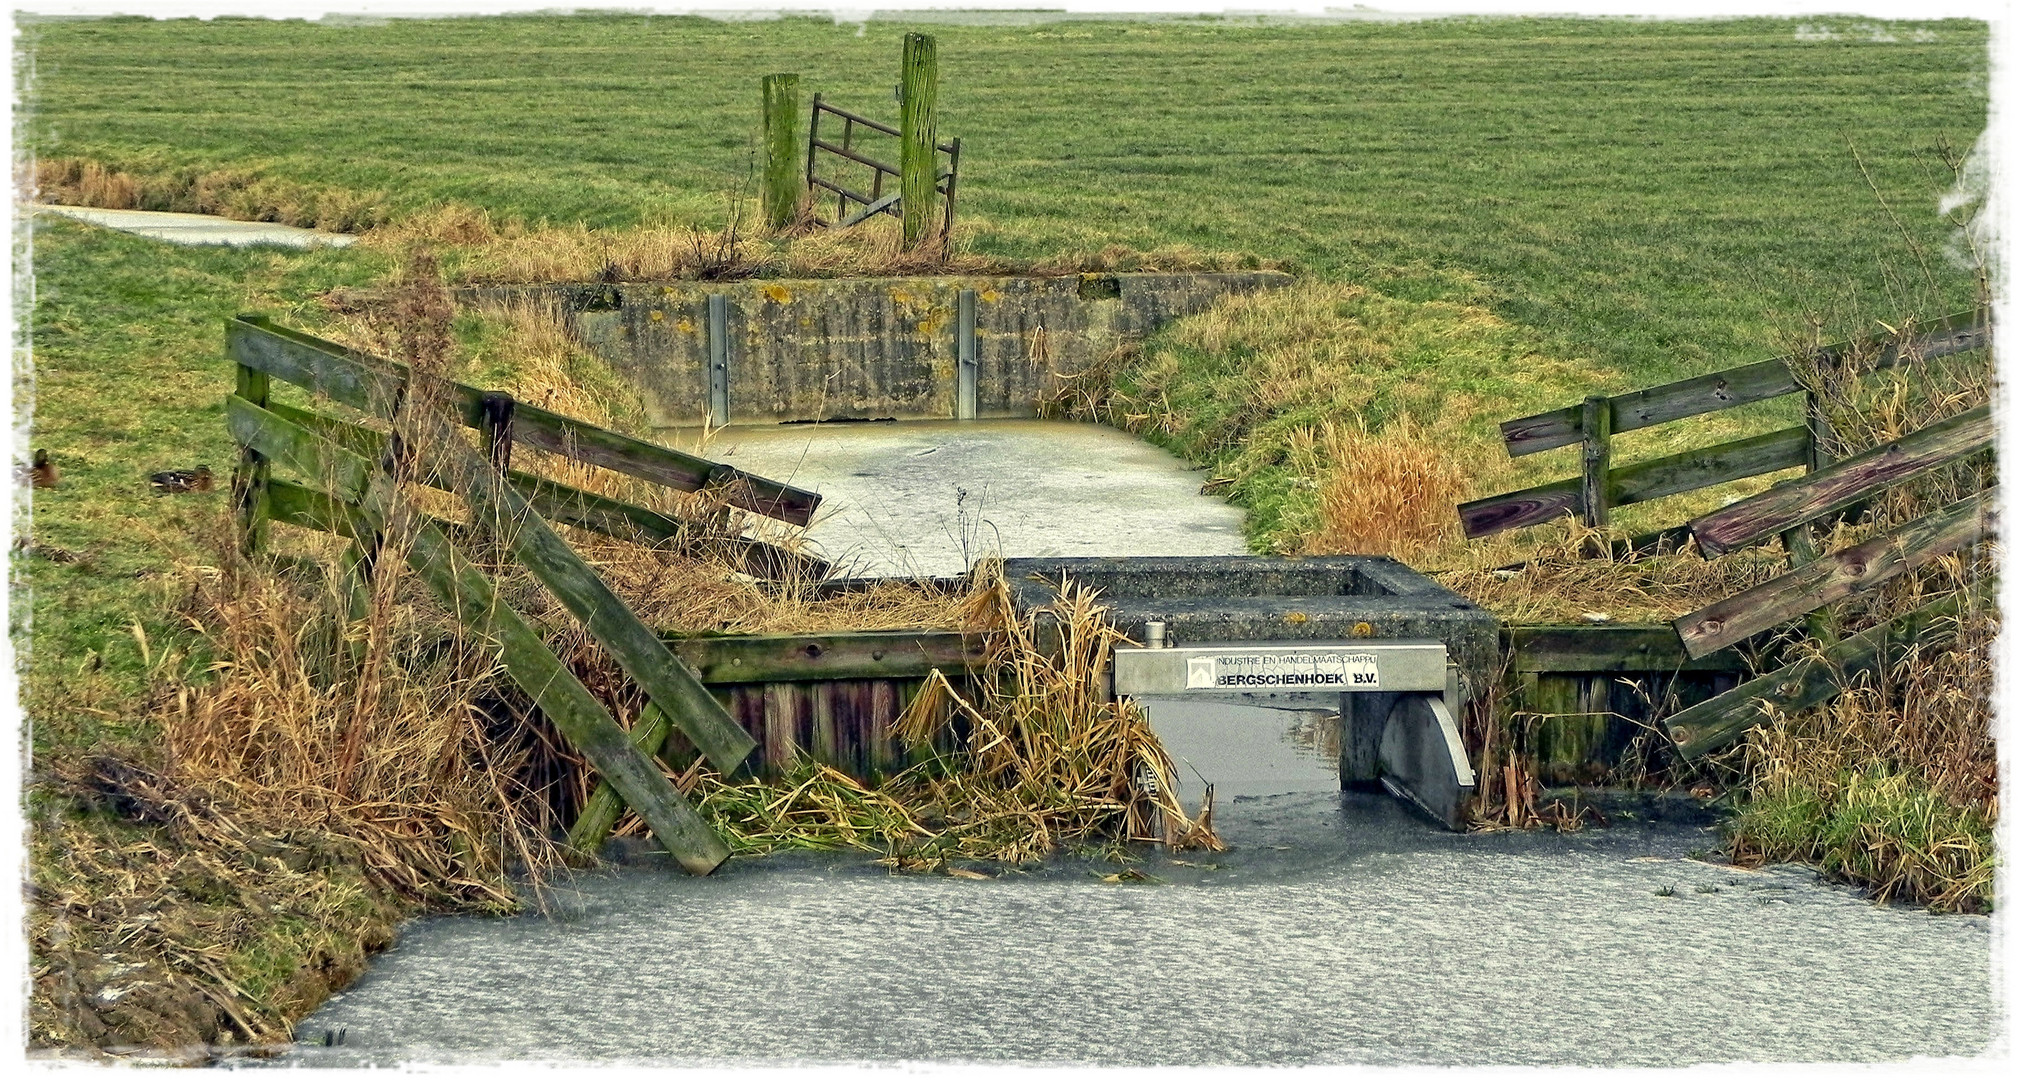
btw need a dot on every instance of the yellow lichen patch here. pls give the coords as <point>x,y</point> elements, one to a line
<point>989,296</point>
<point>778,294</point>
<point>685,325</point>
<point>658,316</point>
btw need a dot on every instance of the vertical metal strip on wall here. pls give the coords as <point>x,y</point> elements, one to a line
<point>718,359</point>
<point>967,386</point>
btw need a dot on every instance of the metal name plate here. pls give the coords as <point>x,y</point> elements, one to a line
<point>1301,667</point>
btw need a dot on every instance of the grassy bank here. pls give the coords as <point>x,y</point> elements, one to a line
<point>136,917</point>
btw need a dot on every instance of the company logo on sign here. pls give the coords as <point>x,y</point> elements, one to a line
<point>1201,672</point>
<point>1284,671</point>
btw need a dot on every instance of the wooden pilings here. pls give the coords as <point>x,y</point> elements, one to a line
<point>782,181</point>
<point>918,161</point>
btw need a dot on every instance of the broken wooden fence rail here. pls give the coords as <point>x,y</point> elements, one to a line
<point>1841,485</point>
<point>581,509</point>
<point>1601,487</point>
<point>1814,680</point>
<point>1828,578</point>
<point>534,544</point>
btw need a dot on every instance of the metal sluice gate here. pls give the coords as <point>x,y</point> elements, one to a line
<point>1398,701</point>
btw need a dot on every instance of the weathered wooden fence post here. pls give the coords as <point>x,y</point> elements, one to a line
<point>249,483</point>
<point>1597,429</point>
<point>781,150</point>
<point>1800,540</point>
<point>919,163</point>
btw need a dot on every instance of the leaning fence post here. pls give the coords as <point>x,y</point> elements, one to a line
<point>250,481</point>
<point>718,360</point>
<point>967,384</point>
<point>781,149</point>
<point>919,128</point>
<point>1597,435</point>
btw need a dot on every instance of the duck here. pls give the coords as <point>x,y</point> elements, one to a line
<point>43,474</point>
<point>175,481</point>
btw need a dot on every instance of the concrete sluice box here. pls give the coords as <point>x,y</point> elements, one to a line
<point>1363,660</point>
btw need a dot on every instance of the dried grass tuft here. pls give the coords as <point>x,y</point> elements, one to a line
<point>1394,493</point>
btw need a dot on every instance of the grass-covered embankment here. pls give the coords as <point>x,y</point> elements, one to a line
<point>147,927</point>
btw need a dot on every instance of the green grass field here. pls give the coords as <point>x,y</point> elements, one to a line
<point>1660,197</point>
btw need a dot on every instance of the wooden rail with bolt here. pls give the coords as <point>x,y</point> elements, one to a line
<point>1845,483</point>
<point>1824,579</point>
<point>1719,390</point>
<point>375,386</point>
<point>1813,680</point>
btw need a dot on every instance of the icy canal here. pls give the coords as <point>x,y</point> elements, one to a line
<point>926,497</point>
<point>1339,929</point>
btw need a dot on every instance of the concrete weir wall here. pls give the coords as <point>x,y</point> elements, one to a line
<point>868,348</point>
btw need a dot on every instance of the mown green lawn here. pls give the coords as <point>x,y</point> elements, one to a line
<point>1661,197</point>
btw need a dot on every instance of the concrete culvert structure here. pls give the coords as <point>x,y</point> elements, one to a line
<point>1396,653</point>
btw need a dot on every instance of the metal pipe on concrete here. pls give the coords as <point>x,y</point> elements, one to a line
<point>718,360</point>
<point>967,391</point>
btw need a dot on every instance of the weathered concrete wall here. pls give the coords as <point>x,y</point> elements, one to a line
<point>872,347</point>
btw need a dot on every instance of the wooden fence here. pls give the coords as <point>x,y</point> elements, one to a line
<point>1701,641</point>
<point>1599,419</point>
<point>349,479</point>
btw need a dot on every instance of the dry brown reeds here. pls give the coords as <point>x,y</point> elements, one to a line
<point>1049,759</point>
<point>1392,493</point>
<point>479,249</point>
<point>1574,574</point>
<point>1046,760</point>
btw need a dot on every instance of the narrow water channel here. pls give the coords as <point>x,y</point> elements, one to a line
<point>926,497</point>
<point>1340,928</point>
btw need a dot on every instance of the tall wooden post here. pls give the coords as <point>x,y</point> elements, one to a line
<point>919,133</point>
<point>781,150</point>
<point>1597,460</point>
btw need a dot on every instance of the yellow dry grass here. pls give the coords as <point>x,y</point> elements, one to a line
<point>478,249</point>
<point>1394,493</point>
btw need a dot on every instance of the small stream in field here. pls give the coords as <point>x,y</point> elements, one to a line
<point>1340,928</point>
